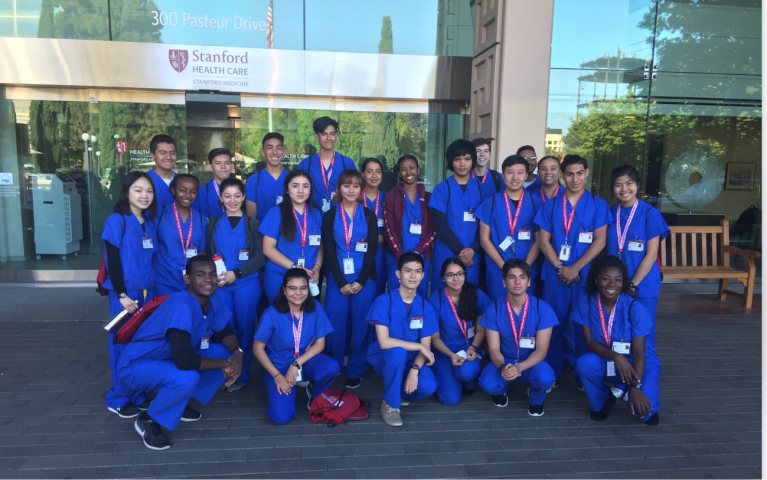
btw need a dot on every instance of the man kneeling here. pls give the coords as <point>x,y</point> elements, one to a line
<point>172,354</point>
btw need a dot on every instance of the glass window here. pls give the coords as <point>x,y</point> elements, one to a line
<point>71,19</point>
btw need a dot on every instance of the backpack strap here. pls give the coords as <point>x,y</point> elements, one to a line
<point>496,179</point>
<point>159,219</point>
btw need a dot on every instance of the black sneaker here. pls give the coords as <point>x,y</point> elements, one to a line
<point>601,415</point>
<point>126,411</point>
<point>535,410</point>
<point>190,415</point>
<point>353,383</point>
<point>144,406</point>
<point>654,420</point>
<point>555,385</point>
<point>151,432</point>
<point>467,392</point>
<point>500,400</point>
<point>580,387</point>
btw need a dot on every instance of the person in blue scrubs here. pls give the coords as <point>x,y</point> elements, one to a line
<point>372,173</point>
<point>289,344</point>
<point>326,166</point>
<point>573,230</point>
<point>162,149</point>
<point>180,235</point>
<point>507,229</point>
<point>616,330</point>
<point>292,235</point>
<point>490,180</point>
<point>401,355</point>
<point>130,241</point>
<point>264,189</point>
<point>235,238</point>
<point>454,204</point>
<point>458,344</point>
<point>221,164</point>
<point>548,188</point>
<point>172,353</point>
<point>518,329</point>
<point>408,224</point>
<point>528,153</point>
<point>350,240</point>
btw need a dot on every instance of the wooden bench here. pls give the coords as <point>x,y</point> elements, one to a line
<point>704,252</point>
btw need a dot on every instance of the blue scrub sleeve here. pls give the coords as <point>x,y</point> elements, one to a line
<point>655,226</point>
<point>602,215</point>
<point>445,234</point>
<point>485,212</point>
<point>322,326</point>
<point>430,321</point>
<point>203,243</point>
<point>490,318</point>
<point>641,324</point>
<point>251,187</point>
<point>483,301</point>
<point>546,316</point>
<point>580,314</point>
<point>543,217</point>
<point>379,312</point>
<point>221,315</point>
<point>265,327</point>
<point>270,227</point>
<point>438,201</point>
<point>114,229</point>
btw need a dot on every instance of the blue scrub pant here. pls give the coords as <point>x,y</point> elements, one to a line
<point>540,378</point>
<point>321,370</point>
<point>161,290</point>
<point>348,316</point>
<point>242,298</point>
<point>392,365</point>
<point>651,305</point>
<point>175,387</point>
<point>393,282</point>
<point>567,342</point>
<point>380,285</point>
<point>272,284</point>
<point>495,288</point>
<point>592,369</point>
<point>472,273</point>
<point>120,393</point>
<point>450,379</point>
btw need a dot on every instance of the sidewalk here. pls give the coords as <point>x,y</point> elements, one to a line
<point>54,374</point>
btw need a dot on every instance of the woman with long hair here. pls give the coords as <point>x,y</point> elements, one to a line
<point>372,174</point>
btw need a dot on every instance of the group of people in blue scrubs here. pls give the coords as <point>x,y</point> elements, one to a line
<point>530,275</point>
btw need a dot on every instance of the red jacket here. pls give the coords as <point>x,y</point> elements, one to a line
<point>394,211</point>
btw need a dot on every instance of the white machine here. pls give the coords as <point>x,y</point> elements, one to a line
<point>58,215</point>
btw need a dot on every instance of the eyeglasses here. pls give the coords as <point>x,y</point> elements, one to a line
<point>530,158</point>
<point>294,289</point>
<point>459,276</point>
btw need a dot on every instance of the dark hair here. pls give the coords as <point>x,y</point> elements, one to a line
<point>287,225</point>
<point>525,147</point>
<point>272,135</point>
<point>478,142</point>
<point>624,170</point>
<point>460,148</point>
<point>468,301</point>
<point>218,151</point>
<point>407,157</point>
<point>231,182</point>
<point>512,160</point>
<point>177,178</point>
<point>370,160</point>
<point>346,177</point>
<point>281,301</point>
<point>515,263</point>
<point>322,123</point>
<point>123,204</point>
<point>158,139</point>
<point>409,257</point>
<point>547,157</point>
<point>573,160</point>
<point>600,264</point>
<point>196,259</point>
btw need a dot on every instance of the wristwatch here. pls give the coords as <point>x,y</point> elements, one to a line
<point>638,386</point>
<point>296,364</point>
<point>123,295</point>
<point>240,350</point>
<point>294,266</point>
<point>634,286</point>
<point>503,365</point>
<point>560,266</point>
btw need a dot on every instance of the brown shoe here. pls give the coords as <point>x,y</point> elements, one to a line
<point>390,415</point>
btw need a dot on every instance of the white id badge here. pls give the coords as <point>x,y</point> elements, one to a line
<point>314,240</point>
<point>348,266</point>
<point>564,253</point>
<point>204,343</point>
<point>469,217</point>
<point>299,377</point>
<point>361,247</point>
<point>416,323</point>
<point>636,246</point>
<point>325,204</point>
<point>191,252</point>
<point>524,235</point>
<point>461,354</point>
<point>623,348</point>
<point>415,228</point>
<point>380,223</point>
<point>585,237</point>
<point>610,369</point>
<point>279,199</point>
<point>147,243</point>
<point>301,262</point>
<point>244,256</point>
<point>527,342</point>
<point>506,243</point>
<point>470,332</point>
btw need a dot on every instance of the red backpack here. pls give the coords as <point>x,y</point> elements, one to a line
<point>129,327</point>
<point>335,407</point>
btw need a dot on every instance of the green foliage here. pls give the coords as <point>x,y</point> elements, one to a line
<point>386,45</point>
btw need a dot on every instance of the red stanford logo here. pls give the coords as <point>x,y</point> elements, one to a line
<point>121,146</point>
<point>178,59</point>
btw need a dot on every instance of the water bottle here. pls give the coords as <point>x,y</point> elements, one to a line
<point>220,267</point>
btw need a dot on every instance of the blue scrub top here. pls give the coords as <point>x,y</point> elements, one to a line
<point>626,325</point>
<point>182,311</point>
<point>126,233</point>
<point>535,190</point>
<point>535,183</point>
<point>207,200</point>
<point>263,190</point>
<point>313,166</point>
<point>460,203</point>
<point>359,234</point>
<point>540,316</point>
<point>371,204</point>
<point>270,227</point>
<point>170,256</point>
<point>647,224</point>
<point>276,332</point>
<point>161,189</point>
<point>591,213</point>
<point>229,242</point>
<point>449,331</point>
<point>493,214</point>
<point>488,187</point>
<point>394,315</point>
<point>412,214</point>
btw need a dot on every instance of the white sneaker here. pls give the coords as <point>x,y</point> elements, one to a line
<point>618,393</point>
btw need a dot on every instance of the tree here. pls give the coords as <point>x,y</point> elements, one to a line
<point>386,45</point>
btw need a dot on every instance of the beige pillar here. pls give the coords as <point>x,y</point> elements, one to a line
<point>506,106</point>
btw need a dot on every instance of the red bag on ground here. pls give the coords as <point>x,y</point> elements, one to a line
<point>102,277</point>
<point>335,407</point>
<point>132,324</point>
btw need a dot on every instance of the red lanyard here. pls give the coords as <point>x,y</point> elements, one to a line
<point>378,199</point>
<point>543,195</point>
<point>568,222</point>
<point>622,237</point>
<point>518,336</point>
<point>296,331</point>
<point>484,177</point>
<point>461,323</point>
<point>513,225</point>
<point>302,231</point>
<point>347,230</point>
<point>218,193</point>
<point>607,331</point>
<point>184,246</point>
<point>326,180</point>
